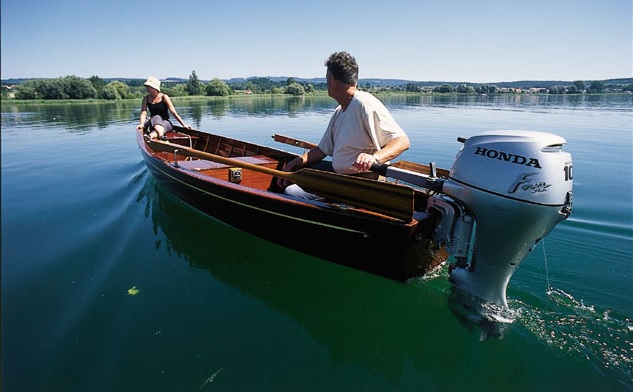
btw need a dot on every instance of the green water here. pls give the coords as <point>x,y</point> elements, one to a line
<point>110,283</point>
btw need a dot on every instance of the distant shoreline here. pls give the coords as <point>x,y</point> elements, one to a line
<point>13,101</point>
<point>373,81</point>
<point>73,87</point>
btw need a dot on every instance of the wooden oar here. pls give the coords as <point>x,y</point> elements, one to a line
<point>383,197</point>
<point>412,166</point>
<point>293,142</point>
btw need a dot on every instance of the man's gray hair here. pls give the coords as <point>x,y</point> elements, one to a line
<point>343,67</point>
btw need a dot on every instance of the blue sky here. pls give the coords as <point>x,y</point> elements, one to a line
<point>423,40</point>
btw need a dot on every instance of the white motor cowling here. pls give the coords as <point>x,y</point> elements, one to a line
<point>518,186</point>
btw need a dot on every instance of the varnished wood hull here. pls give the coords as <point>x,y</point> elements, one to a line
<point>345,235</point>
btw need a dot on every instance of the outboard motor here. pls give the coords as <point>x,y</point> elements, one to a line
<point>506,191</point>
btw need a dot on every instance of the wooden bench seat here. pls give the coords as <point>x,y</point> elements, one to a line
<point>179,135</point>
<point>181,138</point>
<point>232,173</point>
<point>201,164</point>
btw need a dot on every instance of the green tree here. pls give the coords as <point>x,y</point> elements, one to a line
<point>251,86</point>
<point>260,85</point>
<point>557,90</point>
<point>194,85</point>
<point>580,85</point>
<point>464,89</point>
<point>98,84</point>
<point>78,88</point>
<point>179,90</point>
<point>70,87</point>
<point>110,92</point>
<point>52,89</point>
<point>27,90</point>
<point>445,88</point>
<point>116,90</point>
<point>596,86</point>
<point>486,89</point>
<point>218,88</point>
<point>295,89</point>
<point>122,88</point>
<point>413,87</point>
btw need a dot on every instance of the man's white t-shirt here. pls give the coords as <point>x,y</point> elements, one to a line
<point>365,126</point>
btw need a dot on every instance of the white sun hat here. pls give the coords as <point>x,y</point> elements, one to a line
<point>153,83</point>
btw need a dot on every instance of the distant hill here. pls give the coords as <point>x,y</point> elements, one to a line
<point>373,82</point>
<point>377,82</point>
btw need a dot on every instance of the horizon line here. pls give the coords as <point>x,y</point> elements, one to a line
<point>323,79</point>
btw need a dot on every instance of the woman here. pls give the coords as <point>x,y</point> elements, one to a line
<point>159,106</point>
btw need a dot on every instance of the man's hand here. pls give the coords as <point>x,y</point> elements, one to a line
<point>364,161</point>
<point>291,166</point>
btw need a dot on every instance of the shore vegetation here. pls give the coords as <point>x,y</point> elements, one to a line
<point>95,88</point>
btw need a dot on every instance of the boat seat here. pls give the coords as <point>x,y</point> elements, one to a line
<point>180,138</point>
<point>179,135</point>
<point>202,164</point>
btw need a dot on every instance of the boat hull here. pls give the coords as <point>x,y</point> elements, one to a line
<point>337,233</point>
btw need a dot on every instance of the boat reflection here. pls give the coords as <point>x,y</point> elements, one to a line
<point>381,324</point>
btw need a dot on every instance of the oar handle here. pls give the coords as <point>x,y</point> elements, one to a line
<point>430,182</point>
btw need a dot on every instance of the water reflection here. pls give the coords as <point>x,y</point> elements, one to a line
<point>79,115</point>
<point>512,100</point>
<point>383,321</point>
<point>196,113</point>
<point>73,116</point>
<point>218,107</point>
<point>386,327</point>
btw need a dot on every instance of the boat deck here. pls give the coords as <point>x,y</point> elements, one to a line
<point>236,175</point>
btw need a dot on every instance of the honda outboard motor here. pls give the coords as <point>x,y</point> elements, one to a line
<point>516,186</point>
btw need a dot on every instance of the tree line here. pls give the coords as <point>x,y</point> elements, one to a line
<point>73,87</point>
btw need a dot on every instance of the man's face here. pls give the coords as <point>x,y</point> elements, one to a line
<point>329,81</point>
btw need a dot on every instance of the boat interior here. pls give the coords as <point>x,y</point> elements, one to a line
<point>260,155</point>
<point>228,148</point>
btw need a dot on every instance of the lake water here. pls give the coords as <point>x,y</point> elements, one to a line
<point>109,283</point>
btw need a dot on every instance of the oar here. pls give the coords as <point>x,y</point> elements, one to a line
<point>293,142</point>
<point>407,165</point>
<point>383,197</point>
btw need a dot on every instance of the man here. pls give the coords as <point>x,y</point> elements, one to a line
<point>361,131</point>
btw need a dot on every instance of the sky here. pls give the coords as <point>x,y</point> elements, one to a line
<point>478,41</point>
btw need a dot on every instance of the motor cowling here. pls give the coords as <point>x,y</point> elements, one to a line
<point>518,186</point>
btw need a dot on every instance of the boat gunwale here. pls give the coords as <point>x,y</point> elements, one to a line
<point>327,207</point>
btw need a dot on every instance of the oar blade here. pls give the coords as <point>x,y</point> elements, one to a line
<point>293,142</point>
<point>386,198</point>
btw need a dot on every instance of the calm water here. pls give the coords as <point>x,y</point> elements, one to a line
<point>111,284</point>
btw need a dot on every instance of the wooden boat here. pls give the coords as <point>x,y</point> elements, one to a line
<point>400,227</point>
<point>250,200</point>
